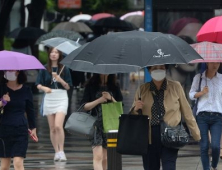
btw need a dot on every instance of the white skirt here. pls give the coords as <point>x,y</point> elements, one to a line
<point>56,101</point>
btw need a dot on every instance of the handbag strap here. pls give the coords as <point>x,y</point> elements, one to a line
<point>199,88</point>
<point>81,107</point>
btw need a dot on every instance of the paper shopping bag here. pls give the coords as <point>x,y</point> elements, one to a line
<point>110,113</point>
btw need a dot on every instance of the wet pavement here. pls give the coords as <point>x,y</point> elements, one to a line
<point>78,151</point>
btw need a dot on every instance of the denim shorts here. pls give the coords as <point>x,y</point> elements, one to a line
<point>13,141</point>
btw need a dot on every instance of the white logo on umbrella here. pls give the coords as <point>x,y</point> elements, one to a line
<point>161,54</point>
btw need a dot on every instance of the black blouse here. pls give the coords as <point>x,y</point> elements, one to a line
<point>91,93</point>
<point>21,102</point>
<point>160,97</point>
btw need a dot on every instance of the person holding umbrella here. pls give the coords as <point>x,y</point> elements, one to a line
<point>55,81</point>
<point>16,100</point>
<point>100,89</point>
<point>172,105</point>
<point>209,112</point>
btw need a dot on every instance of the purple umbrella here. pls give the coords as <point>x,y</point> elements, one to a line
<point>10,60</point>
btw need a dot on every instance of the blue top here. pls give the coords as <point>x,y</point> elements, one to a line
<point>45,78</point>
<point>21,102</point>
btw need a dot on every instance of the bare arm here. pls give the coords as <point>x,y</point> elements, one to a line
<point>44,88</point>
<point>91,105</point>
<point>201,93</point>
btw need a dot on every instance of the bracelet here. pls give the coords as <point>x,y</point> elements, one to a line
<point>4,102</point>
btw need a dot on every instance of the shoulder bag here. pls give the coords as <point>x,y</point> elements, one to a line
<point>194,108</point>
<point>81,123</point>
<point>171,137</point>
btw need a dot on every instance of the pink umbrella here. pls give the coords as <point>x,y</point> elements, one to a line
<point>101,15</point>
<point>211,31</point>
<point>18,61</point>
<point>210,52</point>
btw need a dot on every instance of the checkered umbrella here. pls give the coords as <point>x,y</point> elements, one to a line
<point>210,52</point>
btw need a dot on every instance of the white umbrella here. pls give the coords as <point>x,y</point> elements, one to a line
<point>80,17</point>
<point>64,45</point>
<point>131,13</point>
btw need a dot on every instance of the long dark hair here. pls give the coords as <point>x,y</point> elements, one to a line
<point>95,81</point>
<point>49,63</point>
<point>21,79</point>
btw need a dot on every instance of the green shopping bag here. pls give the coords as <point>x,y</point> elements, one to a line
<point>111,112</point>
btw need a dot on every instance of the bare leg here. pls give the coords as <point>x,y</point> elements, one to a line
<point>98,158</point>
<point>60,136</point>
<point>51,121</point>
<point>5,163</point>
<point>104,159</point>
<point>18,163</point>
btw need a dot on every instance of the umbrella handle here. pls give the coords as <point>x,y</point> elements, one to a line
<point>61,70</point>
<point>140,110</point>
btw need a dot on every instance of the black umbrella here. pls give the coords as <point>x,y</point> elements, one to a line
<point>133,50</point>
<point>89,67</point>
<point>114,23</point>
<point>74,36</point>
<point>26,33</point>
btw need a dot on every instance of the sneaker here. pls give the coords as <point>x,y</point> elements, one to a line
<point>62,156</point>
<point>57,156</point>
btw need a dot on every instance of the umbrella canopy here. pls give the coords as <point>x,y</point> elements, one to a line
<point>210,52</point>
<point>114,23</point>
<point>73,26</point>
<point>100,69</point>
<point>133,50</point>
<point>137,20</point>
<point>18,61</point>
<point>27,33</point>
<point>132,13</point>
<point>62,44</point>
<point>211,31</point>
<point>60,33</point>
<point>80,17</point>
<point>101,15</point>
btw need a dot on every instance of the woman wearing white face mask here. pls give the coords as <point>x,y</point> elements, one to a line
<point>16,100</point>
<point>172,105</point>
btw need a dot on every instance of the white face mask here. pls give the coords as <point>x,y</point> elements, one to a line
<point>10,75</point>
<point>158,75</point>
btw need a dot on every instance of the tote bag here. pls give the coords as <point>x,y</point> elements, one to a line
<point>133,134</point>
<point>81,122</point>
<point>110,113</point>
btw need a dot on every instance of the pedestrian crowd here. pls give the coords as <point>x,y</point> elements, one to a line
<point>55,81</point>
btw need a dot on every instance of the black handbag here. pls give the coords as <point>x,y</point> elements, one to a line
<point>133,134</point>
<point>172,137</point>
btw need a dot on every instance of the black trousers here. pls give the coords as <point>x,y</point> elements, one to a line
<point>157,152</point>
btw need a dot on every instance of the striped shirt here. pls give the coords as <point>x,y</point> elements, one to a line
<point>211,101</point>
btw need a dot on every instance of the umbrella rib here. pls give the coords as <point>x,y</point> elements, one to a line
<point>178,51</point>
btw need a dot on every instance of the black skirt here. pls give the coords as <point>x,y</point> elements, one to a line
<point>13,141</point>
